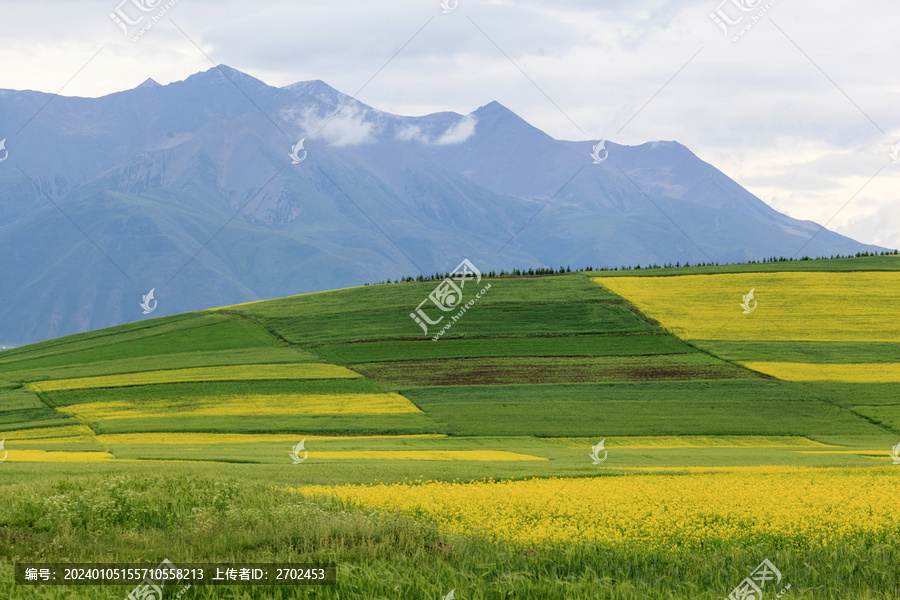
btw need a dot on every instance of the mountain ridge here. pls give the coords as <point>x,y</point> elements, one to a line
<point>188,188</point>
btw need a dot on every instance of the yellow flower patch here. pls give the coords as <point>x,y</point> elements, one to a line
<point>17,455</point>
<point>224,373</point>
<point>482,455</point>
<point>803,506</point>
<point>854,306</point>
<point>851,373</point>
<point>250,405</point>
<point>688,441</point>
<point>239,438</point>
<point>43,435</point>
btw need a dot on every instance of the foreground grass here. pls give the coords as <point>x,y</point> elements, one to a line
<point>195,513</point>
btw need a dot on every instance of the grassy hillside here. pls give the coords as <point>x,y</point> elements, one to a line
<point>687,392</point>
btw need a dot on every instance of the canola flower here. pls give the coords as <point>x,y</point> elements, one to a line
<point>665,510</point>
<point>689,441</point>
<point>60,433</point>
<point>222,373</point>
<point>240,438</point>
<point>251,404</point>
<point>478,455</point>
<point>851,306</point>
<point>851,372</point>
<point>17,455</point>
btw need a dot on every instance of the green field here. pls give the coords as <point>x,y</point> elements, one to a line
<point>532,376</point>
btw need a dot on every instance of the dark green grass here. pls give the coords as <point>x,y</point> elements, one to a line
<point>587,345</point>
<point>277,452</point>
<point>167,361</point>
<point>689,408</point>
<point>293,424</point>
<point>193,332</point>
<point>865,263</point>
<point>101,337</point>
<point>213,388</point>
<point>804,352</point>
<point>406,296</point>
<point>848,394</point>
<point>555,369</point>
<point>887,415</point>
<point>478,321</point>
<point>675,417</point>
<point>512,307</point>
<point>20,409</point>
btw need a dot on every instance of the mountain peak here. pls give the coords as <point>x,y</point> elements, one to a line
<point>150,83</point>
<point>223,72</point>
<point>321,91</point>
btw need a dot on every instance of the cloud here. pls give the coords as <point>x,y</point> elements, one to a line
<point>411,133</point>
<point>349,127</point>
<point>457,133</point>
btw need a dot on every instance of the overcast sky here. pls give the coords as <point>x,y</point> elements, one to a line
<point>803,109</point>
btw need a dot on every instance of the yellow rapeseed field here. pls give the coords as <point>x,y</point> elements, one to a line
<point>239,438</point>
<point>689,441</point>
<point>851,306</point>
<point>484,455</point>
<point>273,404</point>
<point>62,433</point>
<point>17,455</point>
<point>226,373</point>
<point>803,506</point>
<point>852,373</point>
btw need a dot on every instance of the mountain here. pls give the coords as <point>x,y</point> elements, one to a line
<point>189,189</point>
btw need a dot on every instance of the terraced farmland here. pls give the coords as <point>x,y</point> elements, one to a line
<point>728,437</point>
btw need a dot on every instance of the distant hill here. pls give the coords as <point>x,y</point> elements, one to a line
<point>188,188</point>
